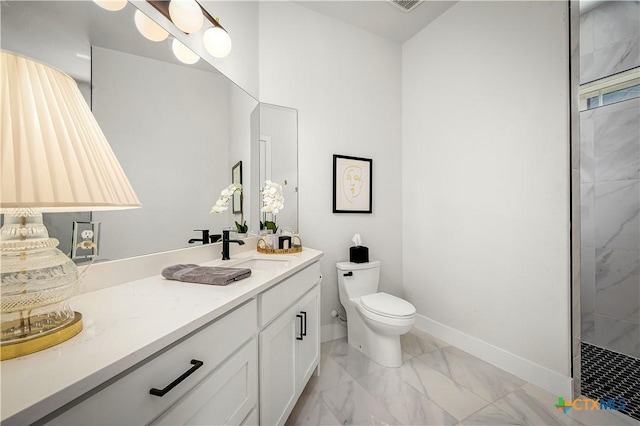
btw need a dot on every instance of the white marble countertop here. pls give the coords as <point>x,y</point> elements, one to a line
<point>123,325</point>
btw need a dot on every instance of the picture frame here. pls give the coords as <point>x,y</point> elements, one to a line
<point>236,177</point>
<point>352,184</point>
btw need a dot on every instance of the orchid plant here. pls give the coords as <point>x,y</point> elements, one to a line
<point>223,204</point>
<point>272,202</point>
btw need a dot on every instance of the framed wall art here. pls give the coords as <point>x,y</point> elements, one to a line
<point>352,184</point>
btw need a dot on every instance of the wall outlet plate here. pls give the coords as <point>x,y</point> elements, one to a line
<point>85,240</point>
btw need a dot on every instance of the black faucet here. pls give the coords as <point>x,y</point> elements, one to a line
<point>205,237</point>
<point>225,244</point>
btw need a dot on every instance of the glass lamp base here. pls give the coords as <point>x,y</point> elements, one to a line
<point>42,341</point>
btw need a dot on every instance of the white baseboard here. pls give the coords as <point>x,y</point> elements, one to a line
<point>547,379</point>
<point>332,331</point>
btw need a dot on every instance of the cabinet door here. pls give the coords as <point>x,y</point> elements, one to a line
<point>226,396</point>
<point>278,368</point>
<point>309,346</point>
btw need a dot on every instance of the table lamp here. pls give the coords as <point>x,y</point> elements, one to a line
<point>53,158</point>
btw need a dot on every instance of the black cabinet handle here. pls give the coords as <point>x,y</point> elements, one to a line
<point>348,274</point>
<point>157,392</point>
<point>300,336</point>
<point>304,332</point>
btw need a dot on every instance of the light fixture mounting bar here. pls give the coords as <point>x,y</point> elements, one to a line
<point>162,6</point>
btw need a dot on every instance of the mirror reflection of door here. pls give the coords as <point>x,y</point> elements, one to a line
<point>265,159</point>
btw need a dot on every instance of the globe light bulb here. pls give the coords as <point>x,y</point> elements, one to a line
<point>186,15</point>
<point>217,42</point>
<point>112,5</point>
<point>183,53</point>
<point>148,28</point>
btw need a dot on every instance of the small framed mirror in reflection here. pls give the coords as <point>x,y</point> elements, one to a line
<point>236,177</point>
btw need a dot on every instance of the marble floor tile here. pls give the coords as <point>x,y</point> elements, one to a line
<point>352,360</point>
<point>451,396</point>
<point>352,405</point>
<point>482,378</point>
<point>527,409</point>
<point>404,402</point>
<point>602,417</point>
<point>331,374</point>
<point>417,342</point>
<point>491,416</point>
<point>311,410</point>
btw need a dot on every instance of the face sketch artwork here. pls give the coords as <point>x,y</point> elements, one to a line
<point>352,182</point>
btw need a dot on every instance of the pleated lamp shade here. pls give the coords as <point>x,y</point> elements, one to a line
<point>53,154</point>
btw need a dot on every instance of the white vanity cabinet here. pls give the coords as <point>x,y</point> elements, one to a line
<point>290,344</point>
<point>246,362</point>
<point>208,378</point>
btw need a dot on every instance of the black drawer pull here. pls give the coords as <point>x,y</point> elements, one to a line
<point>304,329</point>
<point>300,336</point>
<point>348,274</point>
<point>157,392</point>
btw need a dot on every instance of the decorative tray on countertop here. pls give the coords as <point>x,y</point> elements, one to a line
<point>264,247</point>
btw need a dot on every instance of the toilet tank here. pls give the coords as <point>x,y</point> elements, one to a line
<point>360,278</point>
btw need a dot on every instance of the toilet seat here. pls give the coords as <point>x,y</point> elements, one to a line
<point>387,305</point>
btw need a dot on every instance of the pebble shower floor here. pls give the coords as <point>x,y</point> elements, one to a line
<point>611,375</point>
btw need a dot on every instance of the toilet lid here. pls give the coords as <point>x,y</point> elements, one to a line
<point>388,305</point>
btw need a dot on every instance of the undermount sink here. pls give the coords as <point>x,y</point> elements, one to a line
<point>263,264</point>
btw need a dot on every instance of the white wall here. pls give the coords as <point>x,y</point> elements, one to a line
<point>486,183</point>
<point>171,142</point>
<point>346,86</point>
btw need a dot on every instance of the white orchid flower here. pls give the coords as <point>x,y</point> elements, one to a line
<point>225,195</point>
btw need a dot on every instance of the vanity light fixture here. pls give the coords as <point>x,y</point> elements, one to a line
<point>54,158</point>
<point>112,5</point>
<point>183,53</point>
<point>216,39</point>
<point>217,42</point>
<point>149,28</point>
<point>186,15</point>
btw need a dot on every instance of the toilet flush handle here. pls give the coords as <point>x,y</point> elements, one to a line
<point>348,274</point>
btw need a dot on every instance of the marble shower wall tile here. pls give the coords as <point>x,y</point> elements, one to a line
<point>617,283</point>
<point>586,33</point>
<point>616,335</point>
<point>614,22</point>
<point>617,206</point>
<point>617,145</point>
<point>612,59</point>
<point>588,280</point>
<point>587,154</point>
<point>588,328</point>
<point>588,216</point>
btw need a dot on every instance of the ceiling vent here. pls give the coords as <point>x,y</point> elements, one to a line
<point>406,5</point>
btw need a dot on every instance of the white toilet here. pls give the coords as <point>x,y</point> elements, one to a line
<point>375,321</point>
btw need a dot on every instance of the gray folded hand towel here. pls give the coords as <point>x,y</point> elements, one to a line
<point>214,275</point>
